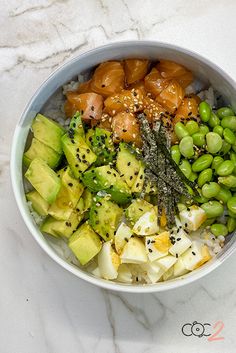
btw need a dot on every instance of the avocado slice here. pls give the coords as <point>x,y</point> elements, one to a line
<point>58,228</point>
<point>139,181</point>
<point>77,152</point>
<point>67,197</point>
<point>104,217</point>
<point>85,243</point>
<point>88,199</point>
<point>102,145</point>
<point>89,137</point>
<point>76,125</point>
<point>108,179</point>
<point>127,164</point>
<point>136,209</point>
<point>38,149</point>
<point>48,131</point>
<point>38,203</point>
<point>43,179</point>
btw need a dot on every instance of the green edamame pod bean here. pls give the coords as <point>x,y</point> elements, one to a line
<point>185,167</point>
<point>223,195</point>
<point>203,129</point>
<point>224,111</point>
<point>204,111</point>
<point>204,177</point>
<point>225,168</point>
<point>229,136</point>
<point>214,142</point>
<point>230,122</point>
<point>193,176</point>
<point>231,214</point>
<point>210,190</point>
<point>214,120</point>
<point>180,130</point>
<point>233,157</point>
<point>216,162</point>
<point>200,198</point>
<point>234,147</point>
<point>228,181</point>
<point>231,204</point>
<point>208,222</point>
<point>175,154</point>
<point>199,139</point>
<point>192,127</point>
<point>225,148</point>
<point>202,163</point>
<point>213,209</point>
<point>219,229</point>
<point>218,130</point>
<point>231,224</point>
<point>186,147</point>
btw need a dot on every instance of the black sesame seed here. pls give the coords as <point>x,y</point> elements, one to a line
<point>176,255</point>
<point>128,164</point>
<point>92,107</point>
<point>137,185</point>
<point>193,253</point>
<point>88,150</point>
<point>131,177</point>
<point>103,86</point>
<point>150,250</point>
<point>97,222</point>
<point>136,173</point>
<point>70,184</point>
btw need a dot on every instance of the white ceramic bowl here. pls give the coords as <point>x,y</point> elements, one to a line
<point>202,68</point>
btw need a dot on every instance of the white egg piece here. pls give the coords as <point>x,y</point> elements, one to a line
<point>123,234</point>
<point>193,256</point>
<point>147,224</point>
<point>134,252</point>
<point>169,274</point>
<point>179,268</point>
<point>124,274</point>
<point>108,261</point>
<point>181,243</point>
<point>157,246</point>
<point>167,262</point>
<point>93,269</point>
<point>193,217</point>
<point>152,271</point>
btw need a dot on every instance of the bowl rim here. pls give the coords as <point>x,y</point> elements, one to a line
<point>33,228</point>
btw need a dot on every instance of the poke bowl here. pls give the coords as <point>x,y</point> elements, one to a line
<point>123,166</point>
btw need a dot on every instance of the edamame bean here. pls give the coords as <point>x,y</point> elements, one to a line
<point>193,176</point>
<point>214,120</point>
<point>186,147</point>
<point>180,130</point>
<point>213,209</point>
<point>175,154</point>
<point>223,195</point>
<point>224,111</point>
<point>218,130</point>
<point>203,129</point>
<point>228,181</point>
<point>219,229</point>
<point>225,148</point>
<point>234,147</point>
<point>199,139</point>
<point>231,224</point>
<point>204,177</point>
<point>225,168</point>
<point>192,127</point>
<point>204,111</point>
<point>229,136</point>
<point>217,160</point>
<point>214,142</point>
<point>202,163</point>
<point>200,198</point>
<point>231,214</point>
<point>210,190</point>
<point>185,167</point>
<point>231,204</point>
<point>233,157</point>
<point>230,122</point>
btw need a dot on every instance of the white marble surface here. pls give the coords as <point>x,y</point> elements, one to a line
<point>44,309</point>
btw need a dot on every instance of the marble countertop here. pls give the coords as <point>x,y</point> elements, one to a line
<point>43,308</point>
